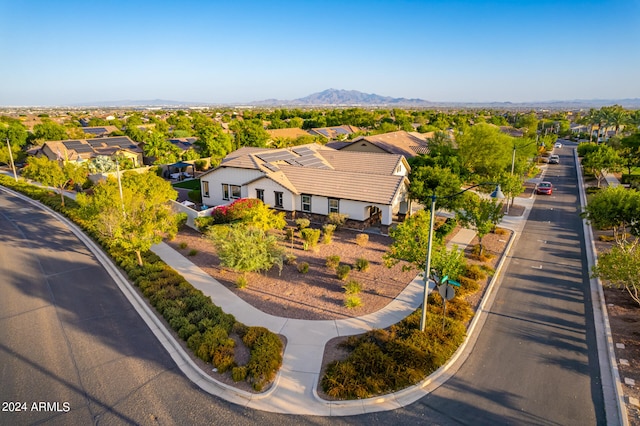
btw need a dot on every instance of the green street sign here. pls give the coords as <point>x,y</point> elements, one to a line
<point>456,283</point>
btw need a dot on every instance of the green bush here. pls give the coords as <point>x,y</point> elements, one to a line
<point>327,233</point>
<point>200,165</point>
<point>192,252</point>
<point>362,239</point>
<point>362,264</point>
<point>342,271</point>
<point>238,374</point>
<point>337,219</point>
<point>303,223</point>
<point>303,267</point>
<point>310,237</point>
<point>352,287</point>
<point>352,301</point>
<point>182,245</point>
<point>242,281</point>
<point>332,261</point>
<point>475,272</point>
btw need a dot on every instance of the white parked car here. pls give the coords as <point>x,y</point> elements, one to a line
<point>558,145</point>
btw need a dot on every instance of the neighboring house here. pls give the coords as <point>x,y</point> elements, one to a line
<point>336,132</point>
<point>408,144</point>
<point>290,133</point>
<point>184,144</point>
<point>100,131</point>
<point>85,149</point>
<point>312,181</point>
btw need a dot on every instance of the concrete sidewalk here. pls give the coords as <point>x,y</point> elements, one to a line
<point>294,390</point>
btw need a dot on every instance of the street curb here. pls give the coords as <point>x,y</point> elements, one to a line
<point>183,361</point>
<point>615,408</point>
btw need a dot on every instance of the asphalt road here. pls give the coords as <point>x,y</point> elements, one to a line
<point>535,361</point>
<point>68,335</point>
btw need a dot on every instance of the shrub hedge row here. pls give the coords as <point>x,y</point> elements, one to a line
<point>205,327</point>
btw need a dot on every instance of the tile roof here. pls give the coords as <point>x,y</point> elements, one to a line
<point>318,170</point>
<point>401,142</point>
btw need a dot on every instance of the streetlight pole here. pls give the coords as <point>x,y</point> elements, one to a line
<point>497,193</point>
<point>13,166</point>
<point>124,213</point>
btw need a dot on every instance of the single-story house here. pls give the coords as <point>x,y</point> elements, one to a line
<point>85,149</point>
<point>314,180</point>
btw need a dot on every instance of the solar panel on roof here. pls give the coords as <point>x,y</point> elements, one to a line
<point>271,167</point>
<point>95,142</point>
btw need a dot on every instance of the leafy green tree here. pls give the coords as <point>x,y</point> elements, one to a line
<point>427,181</point>
<point>50,173</point>
<point>630,151</point>
<point>249,133</point>
<point>480,213</point>
<point>601,161</point>
<point>49,131</point>
<point>484,150</point>
<point>214,141</point>
<point>617,208</point>
<point>16,133</point>
<point>156,146</point>
<point>619,268</point>
<point>511,184</point>
<point>138,220</point>
<point>246,249</point>
<point>410,243</point>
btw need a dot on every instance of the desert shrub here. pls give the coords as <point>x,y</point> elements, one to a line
<point>352,301</point>
<point>333,261</point>
<point>290,233</point>
<point>204,223</point>
<point>246,249</point>
<point>500,231</point>
<point>241,281</point>
<point>182,245</point>
<point>475,272</point>
<point>468,285</point>
<point>352,287</point>
<point>303,267</point>
<point>310,237</point>
<point>362,239</point>
<point>362,264</point>
<point>303,223</point>
<point>187,331</point>
<point>337,219</point>
<point>290,259</point>
<point>342,271</point>
<point>592,189</point>
<point>327,233</point>
<point>224,358</point>
<point>607,238</point>
<point>192,252</point>
<point>239,374</point>
<point>266,355</point>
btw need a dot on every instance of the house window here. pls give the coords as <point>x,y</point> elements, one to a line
<point>260,194</point>
<point>278,197</point>
<point>235,191</point>
<point>230,191</point>
<point>334,205</point>
<point>306,203</point>
<point>205,188</point>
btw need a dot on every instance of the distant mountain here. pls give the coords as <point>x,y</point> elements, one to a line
<point>335,97</point>
<point>340,98</point>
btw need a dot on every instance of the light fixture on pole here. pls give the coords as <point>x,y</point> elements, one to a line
<point>497,194</point>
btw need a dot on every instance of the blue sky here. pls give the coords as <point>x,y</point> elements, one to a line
<point>65,52</point>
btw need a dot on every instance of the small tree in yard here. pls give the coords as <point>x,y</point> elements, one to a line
<point>602,160</point>
<point>139,219</point>
<point>619,268</point>
<point>480,213</point>
<point>410,244</point>
<point>617,208</point>
<point>50,173</point>
<point>246,249</point>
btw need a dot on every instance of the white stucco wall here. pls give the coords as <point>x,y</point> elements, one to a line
<point>229,176</point>
<point>270,188</point>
